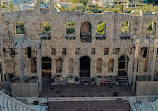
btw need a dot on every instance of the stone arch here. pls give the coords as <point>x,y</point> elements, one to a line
<point>101,28</point>
<point>84,66</point>
<point>99,65</point>
<point>123,65</point>
<point>110,65</point>
<point>19,28</point>
<point>71,65</point>
<point>85,32</point>
<point>70,28</point>
<point>59,65</point>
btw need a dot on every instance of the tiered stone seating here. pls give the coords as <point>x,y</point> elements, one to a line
<point>8,103</point>
<point>145,106</point>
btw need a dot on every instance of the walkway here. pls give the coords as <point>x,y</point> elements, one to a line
<point>84,91</point>
<point>89,106</point>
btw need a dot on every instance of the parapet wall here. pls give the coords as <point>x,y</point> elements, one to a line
<point>25,89</point>
<point>147,88</point>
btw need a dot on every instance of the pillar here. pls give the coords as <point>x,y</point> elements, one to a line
<point>37,6</point>
<point>153,62</point>
<point>135,67</point>
<point>3,59</point>
<point>39,65</point>
<point>20,55</point>
<point>149,62</point>
<point>51,6</point>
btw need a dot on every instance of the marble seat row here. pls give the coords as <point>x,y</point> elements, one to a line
<point>8,103</point>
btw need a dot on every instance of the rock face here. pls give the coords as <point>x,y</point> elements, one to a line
<point>81,54</point>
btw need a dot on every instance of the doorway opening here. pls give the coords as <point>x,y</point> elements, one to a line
<point>85,66</point>
<point>46,69</point>
<point>123,66</point>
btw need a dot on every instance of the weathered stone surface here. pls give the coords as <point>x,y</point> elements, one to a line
<point>25,89</point>
<point>147,88</point>
<point>20,64</point>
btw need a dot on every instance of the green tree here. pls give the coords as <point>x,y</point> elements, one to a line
<point>100,28</point>
<point>125,28</point>
<point>120,7</point>
<point>11,6</point>
<point>149,28</point>
<point>76,1</point>
<point>19,28</point>
<point>45,28</point>
<point>72,7</point>
<point>85,3</point>
<point>70,29</point>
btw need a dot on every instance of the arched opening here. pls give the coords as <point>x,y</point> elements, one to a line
<point>123,66</point>
<point>85,32</point>
<point>71,65</point>
<point>110,65</point>
<point>59,65</point>
<point>85,66</point>
<point>101,30</point>
<point>125,30</point>
<point>151,28</point>
<point>99,65</point>
<point>46,67</point>
<point>19,29</point>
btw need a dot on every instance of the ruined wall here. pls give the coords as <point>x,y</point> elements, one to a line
<point>25,89</point>
<point>147,88</point>
<point>58,21</point>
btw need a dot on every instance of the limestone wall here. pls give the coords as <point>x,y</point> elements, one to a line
<point>58,20</point>
<point>25,89</point>
<point>147,88</point>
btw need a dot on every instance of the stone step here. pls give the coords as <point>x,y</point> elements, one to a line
<point>122,79</point>
<point>86,99</point>
<point>122,76</point>
<point>46,80</point>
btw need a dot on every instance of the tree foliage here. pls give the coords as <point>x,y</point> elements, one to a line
<point>11,6</point>
<point>45,28</point>
<point>119,7</point>
<point>125,28</point>
<point>76,1</point>
<point>72,7</point>
<point>85,3</point>
<point>149,28</point>
<point>101,28</point>
<point>70,29</point>
<point>90,9</point>
<point>19,28</point>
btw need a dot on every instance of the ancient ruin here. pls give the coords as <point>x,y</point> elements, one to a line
<point>77,52</point>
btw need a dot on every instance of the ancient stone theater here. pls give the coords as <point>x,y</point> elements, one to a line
<point>44,46</point>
